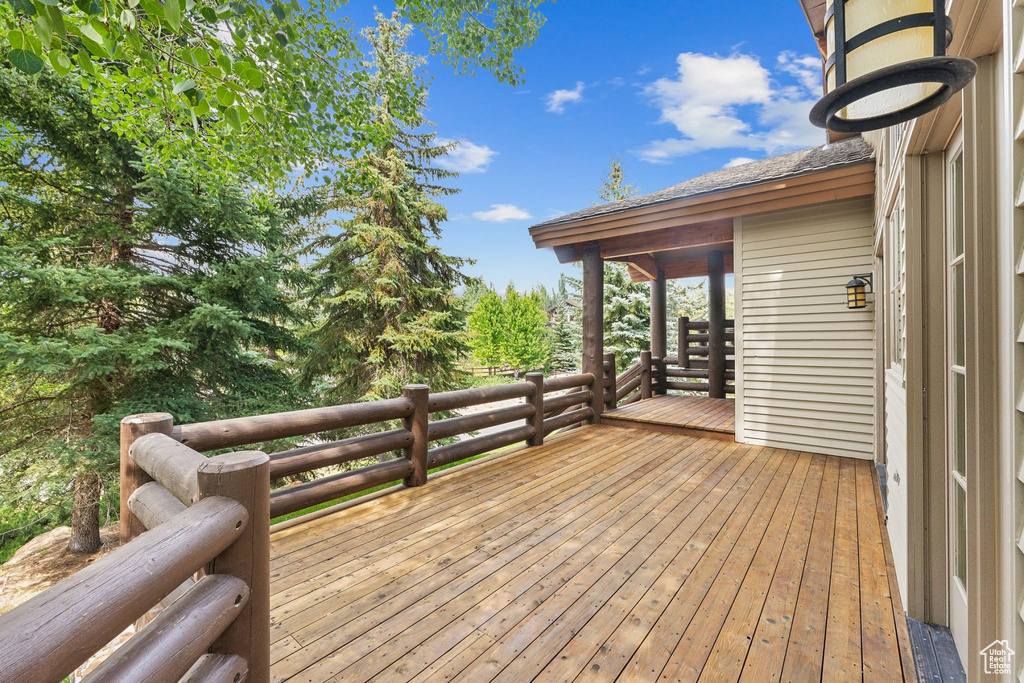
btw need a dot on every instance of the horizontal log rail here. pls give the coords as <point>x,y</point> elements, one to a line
<point>628,388</point>
<point>454,426</point>
<point>55,632</point>
<point>567,382</point>
<point>318,456</point>
<point>180,635</point>
<point>240,431</point>
<point>573,417</point>
<point>465,398</point>
<point>559,404</point>
<point>290,499</point>
<point>195,529</point>
<point>446,455</point>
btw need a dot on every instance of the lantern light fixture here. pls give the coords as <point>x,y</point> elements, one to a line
<point>857,291</point>
<point>887,63</point>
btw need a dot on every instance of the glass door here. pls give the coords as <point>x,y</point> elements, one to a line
<point>956,378</point>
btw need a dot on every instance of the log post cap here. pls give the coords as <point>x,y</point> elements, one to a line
<point>408,388</point>
<point>533,375</point>
<point>233,462</point>
<point>146,418</point>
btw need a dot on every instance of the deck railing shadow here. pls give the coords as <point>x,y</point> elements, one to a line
<point>195,528</point>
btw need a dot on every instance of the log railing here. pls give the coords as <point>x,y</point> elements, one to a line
<point>695,358</point>
<point>206,517</point>
<point>195,529</point>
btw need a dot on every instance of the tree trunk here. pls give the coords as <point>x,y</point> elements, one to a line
<point>85,516</point>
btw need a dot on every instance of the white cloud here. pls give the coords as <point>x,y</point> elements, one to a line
<point>738,161</point>
<point>806,69</point>
<point>499,213</point>
<point>559,98</point>
<point>733,103</point>
<point>466,157</point>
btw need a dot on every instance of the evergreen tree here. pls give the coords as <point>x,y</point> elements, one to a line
<point>389,311</point>
<point>125,286</point>
<point>565,342</point>
<point>627,304</point>
<point>627,315</point>
<point>614,186</point>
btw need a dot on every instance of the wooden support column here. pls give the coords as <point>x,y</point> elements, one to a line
<point>593,322</point>
<point>659,307</point>
<point>537,421</point>
<point>245,476</point>
<point>133,476</point>
<point>418,424</point>
<point>716,325</point>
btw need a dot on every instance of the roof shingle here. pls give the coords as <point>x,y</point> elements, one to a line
<point>835,155</point>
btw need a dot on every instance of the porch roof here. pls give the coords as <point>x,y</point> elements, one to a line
<point>673,229</point>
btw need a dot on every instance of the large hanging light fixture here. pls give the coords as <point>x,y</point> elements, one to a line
<point>887,63</point>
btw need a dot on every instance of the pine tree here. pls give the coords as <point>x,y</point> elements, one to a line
<point>565,342</point>
<point>614,186</point>
<point>390,315</point>
<point>127,286</point>
<point>627,307</point>
<point>627,315</point>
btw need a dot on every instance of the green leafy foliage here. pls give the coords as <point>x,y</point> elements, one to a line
<point>160,73</point>
<point>510,331</point>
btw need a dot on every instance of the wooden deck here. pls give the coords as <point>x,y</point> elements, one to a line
<point>691,415</point>
<point>606,554</point>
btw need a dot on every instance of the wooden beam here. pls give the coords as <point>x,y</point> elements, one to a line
<point>667,239</point>
<point>683,269</point>
<point>593,321</point>
<point>716,325</point>
<point>645,263</point>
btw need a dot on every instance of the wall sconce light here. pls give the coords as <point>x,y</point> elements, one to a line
<point>887,63</point>
<point>857,291</point>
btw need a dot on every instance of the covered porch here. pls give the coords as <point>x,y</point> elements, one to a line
<point>792,231</point>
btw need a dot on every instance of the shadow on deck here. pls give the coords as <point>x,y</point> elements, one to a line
<point>607,553</point>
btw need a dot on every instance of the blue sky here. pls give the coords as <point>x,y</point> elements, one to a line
<point>675,89</point>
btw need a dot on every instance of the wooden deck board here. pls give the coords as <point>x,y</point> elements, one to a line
<point>686,414</point>
<point>607,554</point>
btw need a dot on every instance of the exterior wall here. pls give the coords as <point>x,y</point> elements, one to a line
<point>805,365</point>
<point>1010,96</point>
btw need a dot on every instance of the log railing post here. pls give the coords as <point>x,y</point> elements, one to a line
<point>417,424</point>
<point>660,385</point>
<point>684,343</point>
<point>613,403</point>
<point>133,476</point>
<point>645,375</point>
<point>244,476</point>
<point>537,421</point>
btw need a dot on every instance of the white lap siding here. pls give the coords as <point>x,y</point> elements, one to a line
<point>806,369</point>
